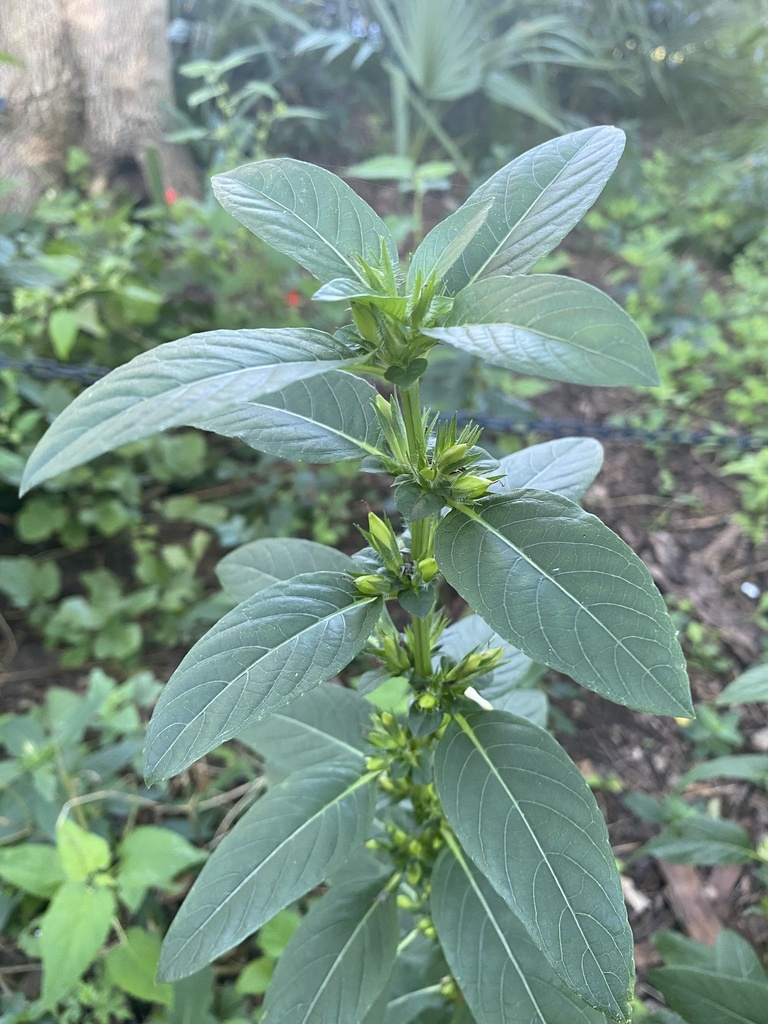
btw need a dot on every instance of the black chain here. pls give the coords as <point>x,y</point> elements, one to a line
<point>50,369</point>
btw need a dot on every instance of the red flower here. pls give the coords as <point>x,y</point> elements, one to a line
<point>171,196</point>
<point>293,299</point>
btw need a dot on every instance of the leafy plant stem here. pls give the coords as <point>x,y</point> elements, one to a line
<point>411,405</point>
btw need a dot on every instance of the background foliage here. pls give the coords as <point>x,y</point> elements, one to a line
<point>100,572</point>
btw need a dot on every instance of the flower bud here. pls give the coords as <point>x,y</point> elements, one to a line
<point>454,455</point>
<point>428,569</point>
<point>373,586</point>
<point>365,322</point>
<point>469,487</point>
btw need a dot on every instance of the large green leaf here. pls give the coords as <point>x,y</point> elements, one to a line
<point>338,960</point>
<point>307,213</point>
<point>749,767</point>
<point>537,199</point>
<point>558,584</point>
<point>512,91</point>
<point>72,931</point>
<point>271,649</point>
<point>260,563</point>
<point>699,839</point>
<point>708,997</point>
<point>82,853</point>
<point>287,843</point>
<point>132,966</point>
<point>502,975</point>
<point>731,955</point>
<point>151,857</point>
<point>526,817</point>
<point>751,685</point>
<point>438,42</point>
<point>188,382</point>
<point>567,466</point>
<point>327,418</point>
<point>32,867</point>
<point>549,326</point>
<point>446,242</point>
<point>329,723</point>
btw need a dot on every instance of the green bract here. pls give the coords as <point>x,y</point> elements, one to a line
<point>490,852</point>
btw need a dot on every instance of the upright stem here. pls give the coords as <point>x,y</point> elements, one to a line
<point>422,530</point>
<point>410,402</point>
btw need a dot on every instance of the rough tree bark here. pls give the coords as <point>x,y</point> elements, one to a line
<point>91,73</point>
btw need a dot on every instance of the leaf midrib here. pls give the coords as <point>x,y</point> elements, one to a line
<point>470,733</point>
<point>471,514</point>
<point>281,207</point>
<point>340,957</point>
<point>502,937</point>
<point>363,780</point>
<point>532,205</point>
<point>359,442</point>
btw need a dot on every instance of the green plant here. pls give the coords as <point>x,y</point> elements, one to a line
<point>480,831</point>
<point>450,62</point>
<point>418,179</point>
<point>237,120</point>
<point>89,860</point>
<point>726,982</point>
<point>103,563</point>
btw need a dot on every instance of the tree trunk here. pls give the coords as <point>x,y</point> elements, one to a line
<point>93,74</point>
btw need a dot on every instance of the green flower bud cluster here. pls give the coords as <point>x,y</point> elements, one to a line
<point>413,855</point>
<point>397,574</point>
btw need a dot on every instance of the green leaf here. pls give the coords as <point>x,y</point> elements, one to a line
<point>260,563</point>
<point>63,328</point>
<point>72,931</point>
<point>193,1000</point>
<point>326,418</point>
<point>32,867</point>
<point>276,933</point>
<point>731,955</point>
<point>502,975</point>
<point>414,503</point>
<point>327,724</point>
<point>287,843</point>
<point>151,857</point>
<point>736,957</point>
<point>82,854</point>
<point>132,966</point>
<point>751,685</point>
<point>537,199</point>
<point>183,383</point>
<point>338,961</point>
<point>699,839</point>
<point>549,326</point>
<point>255,977</point>
<point>563,588</point>
<point>445,243</point>
<point>271,649</point>
<point>566,466</point>
<point>388,167</point>
<point>342,289</point>
<point>749,767</point>
<point>25,581</point>
<point>705,995</point>
<point>307,213</point>
<point>524,814</point>
<point>513,92</point>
